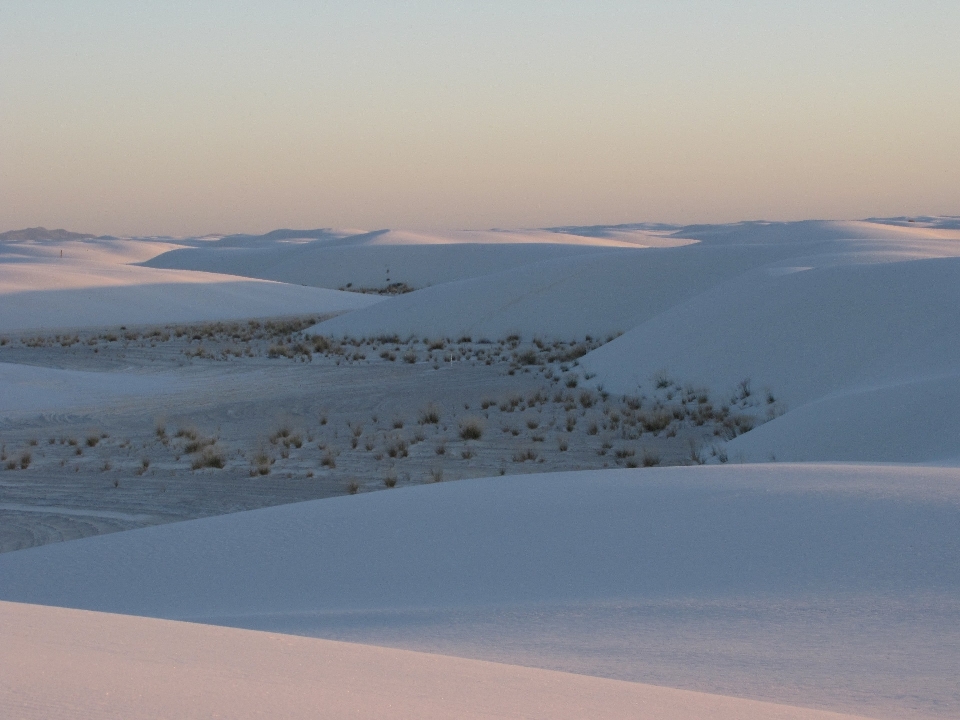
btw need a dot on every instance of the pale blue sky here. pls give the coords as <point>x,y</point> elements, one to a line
<point>186,117</point>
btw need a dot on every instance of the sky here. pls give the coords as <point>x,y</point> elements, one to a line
<point>185,118</point>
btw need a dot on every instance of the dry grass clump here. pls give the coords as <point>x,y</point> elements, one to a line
<point>430,415</point>
<point>471,429</point>
<point>329,458</point>
<point>523,455</point>
<point>353,487</point>
<point>209,458</point>
<point>650,457</point>
<point>398,448</point>
<point>261,464</point>
<point>92,440</point>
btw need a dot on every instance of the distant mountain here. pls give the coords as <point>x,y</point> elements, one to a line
<point>40,233</point>
<point>282,234</point>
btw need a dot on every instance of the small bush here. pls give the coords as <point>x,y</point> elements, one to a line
<point>430,415</point>
<point>92,440</point>
<point>650,457</point>
<point>390,480</point>
<point>523,455</point>
<point>329,459</point>
<point>188,432</point>
<point>25,461</point>
<point>353,487</point>
<point>209,458</point>
<point>562,444</point>
<point>471,429</point>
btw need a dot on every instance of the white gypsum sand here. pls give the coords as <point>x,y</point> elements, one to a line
<point>817,584</point>
<point>121,666</point>
<point>785,583</point>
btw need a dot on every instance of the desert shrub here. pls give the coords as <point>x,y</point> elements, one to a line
<point>25,459</point>
<point>329,459</point>
<point>650,457</point>
<point>410,357</point>
<point>198,444</point>
<point>188,432</point>
<point>398,448</point>
<point>655,421</point>
<point>353,487</point>
<point>398,423</point>
<point>527,357</point>
<point>261,464</point>
<point>571,381</point>
<point>92,440</point>
<point>209,458</point>
<point>696,452</point>
<point>281,433</point>
<point>533,423</point>
<point>441,448</point>
<point>471,429</point>
<point>467,453</point>
<point>562,444</point>
<point>592,429</point>
<point>430,415</point>
<point>390,480</point>
<point>436,474</point>
<point>523,455</point>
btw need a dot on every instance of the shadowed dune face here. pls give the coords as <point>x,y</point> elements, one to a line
<point>769,581</point>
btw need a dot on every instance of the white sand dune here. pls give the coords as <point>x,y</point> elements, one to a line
<point>833,586</point>
<point>379,258</point>
<point>862,348</point>
<point>94,285</point>
<point>601,293</point>
<point>114,666</point>
<point>810,551</point>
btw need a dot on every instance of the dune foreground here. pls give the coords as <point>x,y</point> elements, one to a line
<point>828,586</point>
<point>114,666</point>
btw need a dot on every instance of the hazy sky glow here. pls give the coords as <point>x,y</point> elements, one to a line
<point>187,118</point>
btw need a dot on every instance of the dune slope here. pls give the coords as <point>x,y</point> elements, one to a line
<point>799,552</point>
